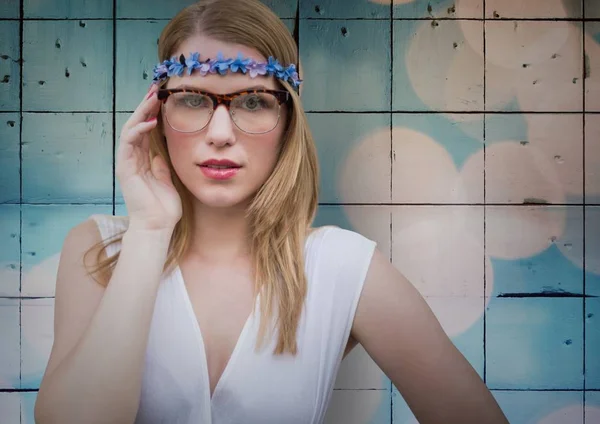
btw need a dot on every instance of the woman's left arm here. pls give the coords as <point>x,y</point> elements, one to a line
<point>402,335</point>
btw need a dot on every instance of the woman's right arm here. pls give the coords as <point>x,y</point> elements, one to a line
<point>94,372</point>
<point>95,368</point>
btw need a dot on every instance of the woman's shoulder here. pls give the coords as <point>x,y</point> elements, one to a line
<point>340,244</point>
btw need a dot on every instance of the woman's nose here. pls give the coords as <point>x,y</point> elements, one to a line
<point>220,129</point>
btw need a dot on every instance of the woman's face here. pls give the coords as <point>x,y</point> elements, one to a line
<point>255,154</point>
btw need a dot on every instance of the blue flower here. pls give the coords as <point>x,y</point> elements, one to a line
<point>192,62</point>
<point>221,64</point>
<point>273,66</point>
<point>175,67</point>
<point>240,64</point>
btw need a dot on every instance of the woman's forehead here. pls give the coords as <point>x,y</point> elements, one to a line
<point>209,48</point>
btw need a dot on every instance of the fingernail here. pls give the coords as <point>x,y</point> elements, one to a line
<point>151,119</point>
<point>149,95</point>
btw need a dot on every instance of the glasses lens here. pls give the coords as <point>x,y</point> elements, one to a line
<point>255,112</point>
<point>188,112</point>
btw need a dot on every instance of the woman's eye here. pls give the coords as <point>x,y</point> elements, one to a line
<point>194,101</point>
<point>252,102</point>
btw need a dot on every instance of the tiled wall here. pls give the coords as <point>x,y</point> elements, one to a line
<point>464,137</point>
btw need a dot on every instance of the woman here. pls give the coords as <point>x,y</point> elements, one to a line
<point>217,301</point>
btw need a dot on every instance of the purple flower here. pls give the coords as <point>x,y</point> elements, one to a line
<point>160,71</point>
<point>205,67</point>
<point>256,68</point>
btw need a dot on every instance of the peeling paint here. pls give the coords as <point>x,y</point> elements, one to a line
<point>534,201</point>
<point>544,293</point>
<point>586,66</point>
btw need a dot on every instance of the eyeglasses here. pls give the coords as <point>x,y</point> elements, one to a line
<point>253,111</point>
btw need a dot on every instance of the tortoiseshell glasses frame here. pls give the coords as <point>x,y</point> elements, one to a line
<point>281,96</point>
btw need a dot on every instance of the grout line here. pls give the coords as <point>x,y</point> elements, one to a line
<point>484,199</point>
<point>528,205</point>
<point>365,112</point>
<point>584,77</point>
<point>21,35</point>
<point>421,18</point>
<point>114,106</point>
<point>391,239</point>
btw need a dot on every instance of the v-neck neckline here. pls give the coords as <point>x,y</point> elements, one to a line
<point>241,338</point>
<point>200,339</point>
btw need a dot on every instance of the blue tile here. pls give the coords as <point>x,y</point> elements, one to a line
<point>460,139</point>
<point>121,119</point>
<point>10,9</point>
<point>157,10</point>
<point>28,400</point>
<point>528,407</point>
<point>67,158</point>
<point>9,158</point>
<point>592,407</point>
<point>535,343</point>
<point>344,10</point>
<point>430,61</point>
<point>346,65</point>
<point>9,66</point>
<point>168,9</point>
<point>9,344</point>
<point>67,9</point>
<point>592,343</point>
<point>592,250</point>
<point>437,9</point>
<point>290,24</point>
<point>137,55</point>
<point>470,344</point>
<point>335,136</point>
<point>283,9</point>
<point>46,226</point>
<point>10,233</point>
<point>549,271</point>
<point>68,66</point>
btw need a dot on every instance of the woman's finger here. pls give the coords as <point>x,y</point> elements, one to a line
<point>147,108</point>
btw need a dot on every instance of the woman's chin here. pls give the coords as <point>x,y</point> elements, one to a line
<point>221,199</point>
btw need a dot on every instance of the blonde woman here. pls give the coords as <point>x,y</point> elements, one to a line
<point>214,300</point>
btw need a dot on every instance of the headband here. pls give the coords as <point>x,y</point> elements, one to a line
<point>220,65</point>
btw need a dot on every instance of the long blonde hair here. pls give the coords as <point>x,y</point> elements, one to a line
<point>283,209</point>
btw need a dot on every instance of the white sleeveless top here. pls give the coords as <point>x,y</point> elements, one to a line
<point>255,387</point>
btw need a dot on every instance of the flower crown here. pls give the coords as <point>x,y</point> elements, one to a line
<point>220,65</point>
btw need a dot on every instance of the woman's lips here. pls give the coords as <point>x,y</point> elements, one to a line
<point>219,173</point>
